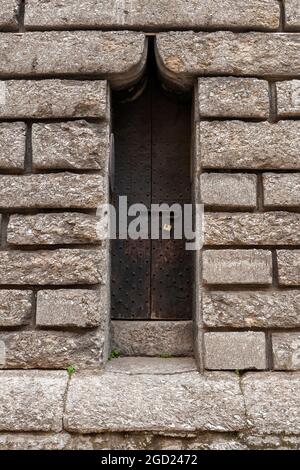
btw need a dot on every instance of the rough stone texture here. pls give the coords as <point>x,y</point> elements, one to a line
<point>281,190</point>
<point>292,14</point>
<point>272,402</point>
<point>291,442</point>
<point>56,190</point>
<point>146,441</point>
<point>32,400</point>
<point>155,15</point>
<point>53,267</point>
<point>76,144</point>
<point>286,351</point>
<point>210,402</point>
<point>117,56</point>
<point>279,442</point>
<point>124,441</point>
<point>15,307</point>
<point>237,267</point>
<point>27,441</point>
<point>152,366</point>
<point>51,350</point>
<point>261,442</point>
<point>12,144</point>
<point>72,307</point>
<point>228,190</point>
<point>233,97</point>
<point>159,441</point>
<point>235,350</point>
<point>288,98</point>
<point>9,15</point>
<point>52,99</point>
<point>53,228</point>
<point>236,144</point>
<point>269,228</point>
<point>260,309</point>
<point>288,267</point>
<point>185,55</point>
<point>152,338</point>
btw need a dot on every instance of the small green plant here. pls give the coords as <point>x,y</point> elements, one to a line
<point>165,356</point>
<point>114,354</point>
<point>71,370</point>
<point>237,371</point>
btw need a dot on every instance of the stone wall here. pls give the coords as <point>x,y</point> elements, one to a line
<point>58,64</point>
<point>247,162</point>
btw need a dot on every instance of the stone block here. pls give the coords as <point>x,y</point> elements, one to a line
<point>52,229</point>
<point>41,349</point>
<point>118,56</point>
<point>32,400</point>
<point>149,16</point>
<point>27,441</point>
<point>9,15</point>
<point>292,15</point>
<point>252,309</point>
<point>235,350</point>
<point>72,308</point>
<point>286,351</point>
<point>272,402</point>
<point>52,191</point>
<point>153,338</point>
<point>288,98</point>
<point>183,56</point>
<point>71,145</point>
<point>228,191</point>
<point>233,97</point>
<point>59,267</point>
<point>268,228</point>
<point>12,143</point>
<point>15,307</point>
<point>252,145</point>
<point>48,99</point>
<point>288,267</point>
<point>145,402</point>
<point>281,190</point>
<point>237,267</point>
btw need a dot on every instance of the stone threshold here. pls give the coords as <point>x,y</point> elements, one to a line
<point>151,365</point>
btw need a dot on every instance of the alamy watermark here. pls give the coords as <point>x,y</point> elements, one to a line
<point>160,221</point>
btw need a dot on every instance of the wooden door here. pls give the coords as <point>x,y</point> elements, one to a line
<point>152,279</point>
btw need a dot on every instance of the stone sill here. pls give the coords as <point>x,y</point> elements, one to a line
<point>151,365</point>
<point>136,394</point>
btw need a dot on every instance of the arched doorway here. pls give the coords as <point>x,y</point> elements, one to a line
<point>152,279</point>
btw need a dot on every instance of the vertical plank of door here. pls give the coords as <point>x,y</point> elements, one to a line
<point>171,270</point>
<point>130,259</point>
